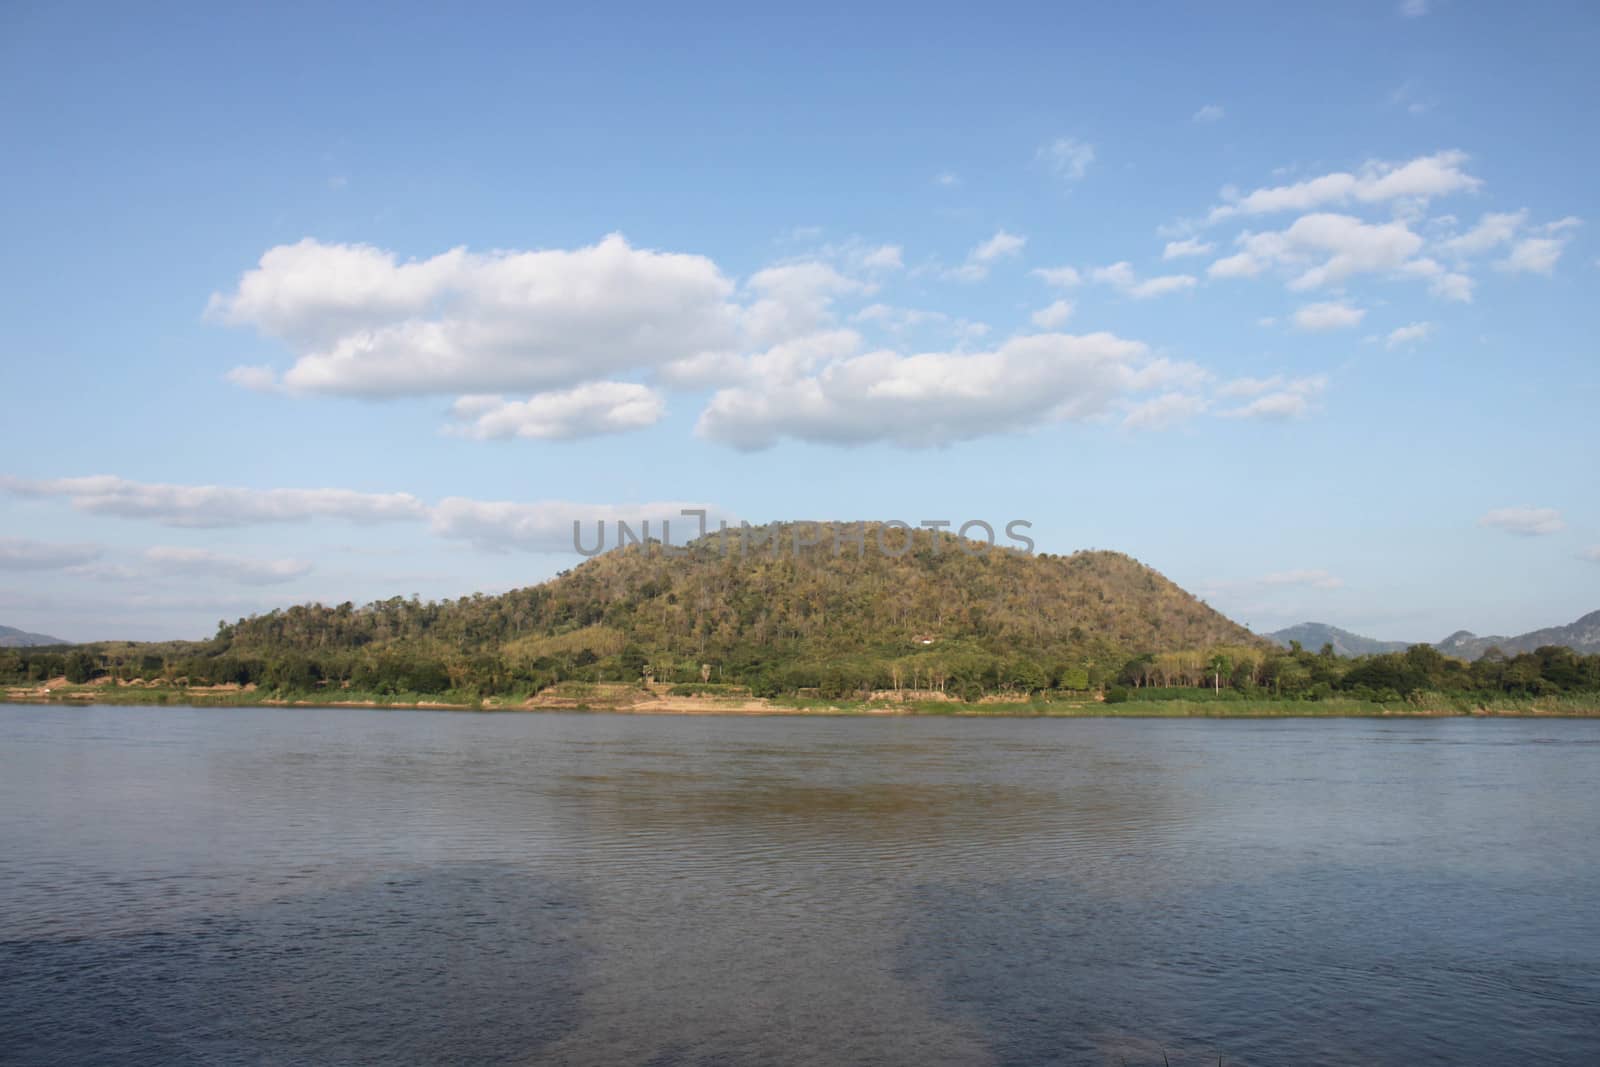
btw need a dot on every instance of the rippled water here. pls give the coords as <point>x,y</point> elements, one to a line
<point>186,886</point>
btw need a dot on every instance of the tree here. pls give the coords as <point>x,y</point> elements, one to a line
<point>1220,665</point>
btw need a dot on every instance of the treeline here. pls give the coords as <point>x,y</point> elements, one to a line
<point>961,669</point>
<point>1298,674</point>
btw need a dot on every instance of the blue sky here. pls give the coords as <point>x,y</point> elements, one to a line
<point>1291,302</point>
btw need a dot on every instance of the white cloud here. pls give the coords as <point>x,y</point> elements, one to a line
<point>1328,316</point>
<point>1274,397</point>
<point>1067,158</point>
<point>546,526</point>
<point>1191,246</point>
<point>1064,277</point>
<point>1492,230</point>
<point>214,506</point>
<point>1054,316</point>
<point>1167,283</point>
<point>1413,9</point>
<point>941,397</point>
<point>1326,249</point>
<point>947,179</point>
<point>901,319</point>
<point>1377,182</point>
<point>1537,255</point>
<point>21,554</point>
<point>1524,521</point>
<point>789,359</point>
<point>201,562</point>
<point>361,322</point>
<point>1121,276</point>
<point>495,525</point>
<point>1249,386</point>
<point>1241,265</point>
<point>1001,246</point>
<point>1209,113</point>
<point>1442,283</point>
<point>1592,554</point>
<point>1164,411</point>
<point>792,300</point>
<point>884,257</point>
<point>1405,335</point>
<point>588,410</point>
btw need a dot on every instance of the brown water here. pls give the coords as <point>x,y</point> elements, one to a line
<point>196,886</point>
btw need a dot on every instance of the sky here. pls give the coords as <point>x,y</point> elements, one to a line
<point>1293,303</point>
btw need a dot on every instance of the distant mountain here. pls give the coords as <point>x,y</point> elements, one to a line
<point>14,638</point>
<point>1313,635</point>
<point>1581,636</point>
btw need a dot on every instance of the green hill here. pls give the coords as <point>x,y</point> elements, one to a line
<point>774,621</point>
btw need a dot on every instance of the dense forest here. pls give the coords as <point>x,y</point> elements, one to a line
<point>772,617</point>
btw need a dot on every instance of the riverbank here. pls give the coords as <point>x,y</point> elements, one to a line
<point>659,700</point>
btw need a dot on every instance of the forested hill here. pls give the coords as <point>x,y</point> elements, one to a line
<point>773,620</point>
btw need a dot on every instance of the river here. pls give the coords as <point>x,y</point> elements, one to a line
<point>285,886</point>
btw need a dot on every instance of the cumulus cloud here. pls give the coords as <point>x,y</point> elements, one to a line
<point>1067,158</point>
<point>596,408</point>
<point>1274,398</point>
<point>1592,554</point>
<point>546,526</point>
<point>1328,316</point>
<point>1524,521</point>
<point>899,320</point>
<point>1492,230</point>
<point>22,554</point>
<point>361,322</point>
<point>1442,283</point>
<point>781,361</point>
<point>1164,411</point>
<point>1001,246</point>
<point>1537,255</point>
<point>941,397</point>
<point>1406,335</point>
<point>216,506</point>
<point>791,300</point>
<point>1121,276</point>
<point>1209,113</point>
<point>1376,182</point>
<point>1191,246</point>
<point>1239,265</point>
<point>1062,277</point>
<point>200,562</point>
<point>1053,317</point>
<point>1323,249</point>
<point>884,257</point>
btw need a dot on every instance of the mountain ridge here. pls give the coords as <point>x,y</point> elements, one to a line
<point>1581,635</point>
<point>11,637</point>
